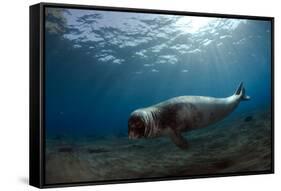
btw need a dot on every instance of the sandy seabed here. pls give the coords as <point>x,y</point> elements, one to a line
<point>236,144</point>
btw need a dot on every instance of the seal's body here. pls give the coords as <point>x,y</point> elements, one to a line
<point>181,114</point>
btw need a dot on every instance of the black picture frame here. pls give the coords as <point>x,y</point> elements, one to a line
<point>37,97</point>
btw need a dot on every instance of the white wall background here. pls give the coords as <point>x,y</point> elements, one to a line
<point>14,88</point>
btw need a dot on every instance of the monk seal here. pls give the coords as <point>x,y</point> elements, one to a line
<point>180,114</point>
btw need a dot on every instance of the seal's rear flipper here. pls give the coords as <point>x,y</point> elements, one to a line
<point>244,96</point>
<point>241,92</point>
<point>179,140</point>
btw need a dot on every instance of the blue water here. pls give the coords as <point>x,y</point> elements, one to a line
<point>100,66</point>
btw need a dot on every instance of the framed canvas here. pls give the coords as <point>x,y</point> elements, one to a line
<point>129,95</point>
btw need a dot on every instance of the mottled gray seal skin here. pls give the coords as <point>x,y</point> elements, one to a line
<point>181,114</point>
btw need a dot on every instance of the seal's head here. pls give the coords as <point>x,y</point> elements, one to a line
<point>136,125</point>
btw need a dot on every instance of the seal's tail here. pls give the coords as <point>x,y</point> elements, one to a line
<point>241,92</point>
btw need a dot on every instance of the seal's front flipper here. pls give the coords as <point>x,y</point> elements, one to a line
<point>179,140</point>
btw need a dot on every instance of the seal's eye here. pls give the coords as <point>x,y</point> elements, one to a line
<point>135,122</point>
<point>139,124</point>
<point>136,127</point>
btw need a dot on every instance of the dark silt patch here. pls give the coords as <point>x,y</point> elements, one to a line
<point>224,164</point>
<point>97,150</point>
<point>248,118</point>
<point>66,150</point>
<point>135,146</point>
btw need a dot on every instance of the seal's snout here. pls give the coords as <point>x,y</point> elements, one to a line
<point>136,127</point>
